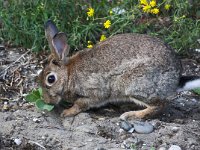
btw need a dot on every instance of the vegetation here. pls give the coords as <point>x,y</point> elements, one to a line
<point>36,97</point>
<point>86,21</point>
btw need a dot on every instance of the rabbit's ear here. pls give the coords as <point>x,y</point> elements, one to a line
<point>60,46</point>
<point>50,31</point>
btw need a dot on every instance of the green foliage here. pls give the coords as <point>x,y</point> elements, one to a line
<point>23,21</point>
<point>36,97</point>
<point>197,91</point>
<point>41,105</point>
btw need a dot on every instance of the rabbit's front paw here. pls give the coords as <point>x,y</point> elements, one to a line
<point>74,110</point>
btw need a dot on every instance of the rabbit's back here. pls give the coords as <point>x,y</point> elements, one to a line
<point>131,65</point>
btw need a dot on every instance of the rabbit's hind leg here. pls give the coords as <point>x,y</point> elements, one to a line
<point>148,111</point>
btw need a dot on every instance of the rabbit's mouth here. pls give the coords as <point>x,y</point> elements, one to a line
<point>51,98</point>
<point>56,99</point>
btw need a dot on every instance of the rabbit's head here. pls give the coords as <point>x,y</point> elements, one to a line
<point>54,75</point>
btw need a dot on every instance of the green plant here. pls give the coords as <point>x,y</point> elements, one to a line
<point>36,97</point>
<point>176,22</point>
<point>133,146</point>
<point>197,91</point>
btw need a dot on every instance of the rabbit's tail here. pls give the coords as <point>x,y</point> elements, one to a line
<point>188,83</point>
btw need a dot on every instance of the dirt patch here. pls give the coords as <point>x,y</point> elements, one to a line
<point>179,123</point>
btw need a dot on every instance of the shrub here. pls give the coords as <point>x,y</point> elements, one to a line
<point>176,22</point>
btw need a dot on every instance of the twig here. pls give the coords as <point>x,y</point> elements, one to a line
<point>37,144</point>
<point>5,70</point>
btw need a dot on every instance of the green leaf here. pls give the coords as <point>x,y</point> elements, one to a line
<point>198,14</point>
<point>40,104</point>
<point>30,98</point>
<point>197,91</point>
<point>33,96</point>
<point>40,91</point>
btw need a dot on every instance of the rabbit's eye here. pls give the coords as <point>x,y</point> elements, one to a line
<point>51,78</point>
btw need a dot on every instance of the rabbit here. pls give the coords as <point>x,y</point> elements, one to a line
<point>127,67</point>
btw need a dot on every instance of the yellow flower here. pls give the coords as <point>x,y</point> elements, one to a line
<point>90,44</point>
<point>146,8</point>
<point>107,24</point>
<point>103,37</point>
<point>155,11</point>
<point>143,2</point>
<point>153,3</point>
<point>167,6</point>
<point>90,12</point>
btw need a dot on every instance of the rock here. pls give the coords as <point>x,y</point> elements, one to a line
<point>175,129</point>
<point>18,141</point>
<point>101,119</point>
<point>43,137</point>
<point>121,130</point>
<point>143,127</point>
<point>174,147</point>
<point>36,120</point>
<point>131,130</point>
<point>126,126</point>
<point>6,106</point>
<point>162,148</point>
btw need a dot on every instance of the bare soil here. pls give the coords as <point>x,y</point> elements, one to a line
<point>97,129</point>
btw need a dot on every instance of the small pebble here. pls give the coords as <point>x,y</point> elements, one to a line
<point>18,141</point>
<point>36,120</point>
<point>143,127</point>
<point>5,106</point>
<point>194,100</point>
<point>121,130</point>
<point>125,125</point>
<point>174,147</point>
<point>101,119</point>
<point>175,129</point>
<point>131,130</point>
<point>162,148</point>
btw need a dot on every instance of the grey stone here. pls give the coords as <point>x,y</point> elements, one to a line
<point>143,127</point>
<point>175,129</point>
<point>174,147</point>
<point>162,148</point>
<point>125,125</point>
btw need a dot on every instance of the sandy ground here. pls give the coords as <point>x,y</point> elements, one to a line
<point>24,127</point>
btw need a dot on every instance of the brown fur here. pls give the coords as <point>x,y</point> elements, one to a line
<point>127,67</point>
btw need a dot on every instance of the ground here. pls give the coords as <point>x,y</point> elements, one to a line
<point>24,127</point>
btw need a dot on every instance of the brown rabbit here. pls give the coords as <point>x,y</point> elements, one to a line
<point>124,68</point>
